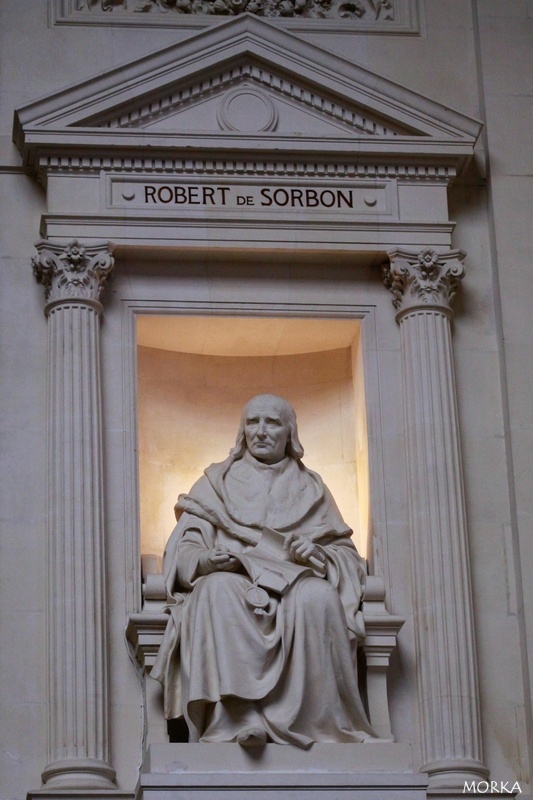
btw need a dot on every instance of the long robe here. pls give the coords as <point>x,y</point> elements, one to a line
<point>289,665</point>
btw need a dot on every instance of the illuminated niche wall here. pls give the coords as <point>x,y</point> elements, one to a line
<point>196,373</point>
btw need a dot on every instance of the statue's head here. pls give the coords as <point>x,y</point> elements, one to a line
<point>268,430</point>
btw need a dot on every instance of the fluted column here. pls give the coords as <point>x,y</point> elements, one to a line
<point>423,285</point>
<point>73,277</point>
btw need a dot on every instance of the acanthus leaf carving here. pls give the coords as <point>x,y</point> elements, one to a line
<point>425,278</point>
<point>72,272</point>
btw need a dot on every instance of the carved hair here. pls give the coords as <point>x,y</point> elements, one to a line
<point>294,448</point>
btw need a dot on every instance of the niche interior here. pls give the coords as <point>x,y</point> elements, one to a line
<point>195,373</point>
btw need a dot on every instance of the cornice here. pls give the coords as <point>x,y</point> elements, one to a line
<point>250,46</point>
<point>348,166</point>
<point>362,118</point>
<point>88,151</point>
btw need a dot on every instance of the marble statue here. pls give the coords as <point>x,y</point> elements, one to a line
<point>264,587</point>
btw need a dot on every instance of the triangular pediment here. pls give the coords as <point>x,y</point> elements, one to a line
<point>244,84</point>
<point>249,96</point>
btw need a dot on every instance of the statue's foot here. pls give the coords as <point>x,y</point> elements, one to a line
<point>252,737</point>
<point>375,740</point>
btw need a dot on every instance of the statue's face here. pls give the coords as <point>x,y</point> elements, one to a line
<point>266,429</point>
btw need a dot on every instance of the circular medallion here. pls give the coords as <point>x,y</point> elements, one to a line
<point>257,597</point>
<point>247,110</point>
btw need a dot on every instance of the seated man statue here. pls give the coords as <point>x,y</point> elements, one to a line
<point>264,587</point>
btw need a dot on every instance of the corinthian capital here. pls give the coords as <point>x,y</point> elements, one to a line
<point>423,279</point>
<point>73,272</point>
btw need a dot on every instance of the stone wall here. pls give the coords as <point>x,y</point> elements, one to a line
<point>474,57</point>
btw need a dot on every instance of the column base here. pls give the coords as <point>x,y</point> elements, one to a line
<point>79,773</point>
<point>451,774</point>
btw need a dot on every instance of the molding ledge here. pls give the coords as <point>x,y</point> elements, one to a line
<point>79,794</point>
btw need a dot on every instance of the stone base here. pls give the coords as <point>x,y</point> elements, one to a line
<point>455,794</point>
<point>79,794</point>
<point>278,772</point>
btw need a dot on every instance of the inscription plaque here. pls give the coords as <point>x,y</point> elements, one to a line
<point>363,198</point>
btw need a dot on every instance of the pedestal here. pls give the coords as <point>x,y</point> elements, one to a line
<point>375,771</point>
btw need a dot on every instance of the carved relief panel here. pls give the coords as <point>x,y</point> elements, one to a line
<point>364,16</point>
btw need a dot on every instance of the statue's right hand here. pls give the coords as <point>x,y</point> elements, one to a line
<point>217,561</point>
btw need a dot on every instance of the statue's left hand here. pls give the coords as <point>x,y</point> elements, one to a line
<point>302,549</point>
<point>217,560</point>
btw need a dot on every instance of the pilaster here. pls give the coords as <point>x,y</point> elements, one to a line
<point>73,277</point>
<point>423,284</point>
